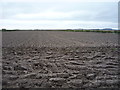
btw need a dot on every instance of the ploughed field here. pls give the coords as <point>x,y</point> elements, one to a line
<point>58,39</point>
<point>56,59</point>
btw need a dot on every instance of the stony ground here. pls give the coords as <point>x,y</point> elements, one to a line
<point>34,62</point>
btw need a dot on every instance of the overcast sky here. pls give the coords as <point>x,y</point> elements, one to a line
<point>58,14</point>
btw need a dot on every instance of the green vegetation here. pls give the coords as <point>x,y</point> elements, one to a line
<point>6,30</point>
<point>72,30</point>
<point>101,31</point>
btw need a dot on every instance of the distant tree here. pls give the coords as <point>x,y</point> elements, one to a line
<point>3,29</point>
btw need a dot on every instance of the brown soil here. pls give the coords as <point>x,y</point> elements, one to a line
<point>60,60</point>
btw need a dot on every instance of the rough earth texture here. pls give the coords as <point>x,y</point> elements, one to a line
<point>60,60</point>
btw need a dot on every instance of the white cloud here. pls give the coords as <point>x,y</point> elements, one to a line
<point>59,15</point>
<point>51,24</point>
<point>59,0</point>
<point>47,15</point>
<point>54,15</point>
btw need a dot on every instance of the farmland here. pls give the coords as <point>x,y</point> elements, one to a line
<point>58,39</point>
<point>59,59</point>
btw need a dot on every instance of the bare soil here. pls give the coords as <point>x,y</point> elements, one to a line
<point>51,59</point>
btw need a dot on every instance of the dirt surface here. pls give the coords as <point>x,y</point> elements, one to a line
<point>58,39</point>
<point>43,59</point>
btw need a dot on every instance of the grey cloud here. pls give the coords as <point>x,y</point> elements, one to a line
<point>94,11</point>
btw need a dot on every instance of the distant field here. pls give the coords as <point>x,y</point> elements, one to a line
<point>57,39</point>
